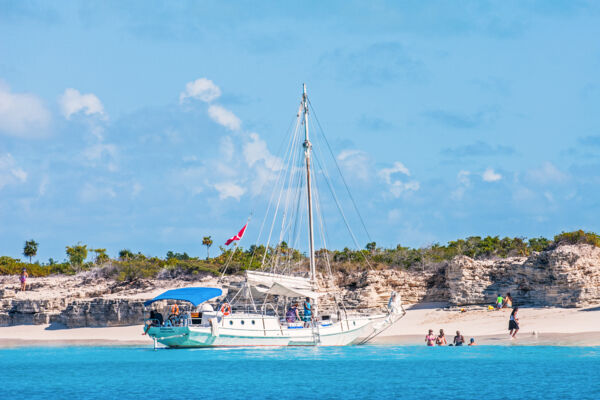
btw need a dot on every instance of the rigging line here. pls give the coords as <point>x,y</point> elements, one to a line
<point>273,192</point>
<point>342,212</point>
<point>321,224</point>
<point>340,171</point>
<point>278,200</point>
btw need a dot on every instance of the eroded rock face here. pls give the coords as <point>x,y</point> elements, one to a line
<point>568,276</point>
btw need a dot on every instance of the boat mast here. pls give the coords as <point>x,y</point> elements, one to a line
<point>307,147</point>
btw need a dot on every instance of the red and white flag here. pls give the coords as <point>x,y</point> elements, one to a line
<point>239,235</point>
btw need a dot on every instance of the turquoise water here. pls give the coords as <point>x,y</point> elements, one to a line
<point>365,372</point>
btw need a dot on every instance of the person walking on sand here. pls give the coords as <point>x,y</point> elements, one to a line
<point>459,339</point>
<point>23,279</point>
<point>430,338</point>
<point>513,323</point>
<point>441,339</point>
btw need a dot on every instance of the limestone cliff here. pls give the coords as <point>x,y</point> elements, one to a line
<point>568,276</point>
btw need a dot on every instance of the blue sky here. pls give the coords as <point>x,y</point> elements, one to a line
<point>148,125</point>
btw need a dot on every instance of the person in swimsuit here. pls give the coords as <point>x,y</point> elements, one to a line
<point>459,339</point>
<point>23,279</point>
<point>307,313</point>
<point>441,339</point>
<point>430,338</point>
<point>507,301</point>
<point>513,323</point>
<point>292,314</point>
<point>472,342</point>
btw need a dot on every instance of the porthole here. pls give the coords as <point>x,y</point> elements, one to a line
<point>242,322</point>
<point>253,322</point>
<point>354,322</point>
<point>230,322</point>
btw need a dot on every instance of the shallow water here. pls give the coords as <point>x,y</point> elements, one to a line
<point>365,372</point>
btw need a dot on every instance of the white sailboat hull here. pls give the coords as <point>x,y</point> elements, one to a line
<point>265,331</point>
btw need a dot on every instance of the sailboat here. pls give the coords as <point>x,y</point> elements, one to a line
<point>239,319</point>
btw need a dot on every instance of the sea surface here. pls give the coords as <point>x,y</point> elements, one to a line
<point>364,372</point>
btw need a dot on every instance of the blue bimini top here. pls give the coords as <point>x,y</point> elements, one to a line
<point>194,295</point>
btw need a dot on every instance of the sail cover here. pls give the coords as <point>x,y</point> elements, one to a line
<point>281,290</point>
<point>194,295</point>
<point>267,279</point>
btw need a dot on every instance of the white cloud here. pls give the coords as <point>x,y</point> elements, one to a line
<point>10,172</point>
<point>229,189</point>
<point>21,114</point>
<point>547,173</point>
<point>489,175</point>
<point>101,152</point>
<point>398,167</point>
<point>256,150</point>
<point>396,186</point>
<point>355,162</point>
<point>136,188</point>
<point>72,102</point>
<point>464,182</point>
<point>202,89</point>
<point>91,193</point>
<point>223,116</point>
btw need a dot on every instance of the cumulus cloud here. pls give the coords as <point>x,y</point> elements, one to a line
<point>229,189</point>
<point>101,153</point>
<point>224,117</point>
<point>464,182</point>
<point>72,102</point>
<point>398,167</point>
<point>547,173</point>
<point>396,186</point>
<point>10,172</point>
<point>256,150</point>
<point>201,89</point>
<point>22,114</point>
<point>489,175</point>
<point>355,162</point>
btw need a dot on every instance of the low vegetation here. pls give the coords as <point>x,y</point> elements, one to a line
<point>129,266</point>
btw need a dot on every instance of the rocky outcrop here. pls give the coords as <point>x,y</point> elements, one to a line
<point>568,276</point>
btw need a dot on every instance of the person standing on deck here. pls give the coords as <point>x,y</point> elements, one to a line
<point>307,312</point>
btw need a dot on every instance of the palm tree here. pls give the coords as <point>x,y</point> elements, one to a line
<point>207,241</point>
<point>30,249</point>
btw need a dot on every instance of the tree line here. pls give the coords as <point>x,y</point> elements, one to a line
<point>130,266</point>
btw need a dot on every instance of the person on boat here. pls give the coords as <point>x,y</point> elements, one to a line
<point>513,323</point>
<point>508,301</point>
<point>155,319</point>
<point>441,339</point>
<point>307,312</point>
<point>499,302</point>
<point>23,279</point>
<point>175,309</point>
<point>292,314</point>
<point>472,342</point>
<point>459,339</point>
<point>430,338</point>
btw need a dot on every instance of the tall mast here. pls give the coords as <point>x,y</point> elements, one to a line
<point>307,148</point>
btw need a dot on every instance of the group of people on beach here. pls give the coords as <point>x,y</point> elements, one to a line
<point>440,340</point>
<point>513,321</point>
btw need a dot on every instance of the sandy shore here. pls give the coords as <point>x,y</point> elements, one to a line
<point>539,326</point>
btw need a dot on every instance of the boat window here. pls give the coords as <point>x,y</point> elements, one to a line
<point>230,322</point>
<point>242,322</point>
<point>354,322</point>
<point>253,322</point>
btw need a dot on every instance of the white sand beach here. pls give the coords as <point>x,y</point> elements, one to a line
<point>539,326</point>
